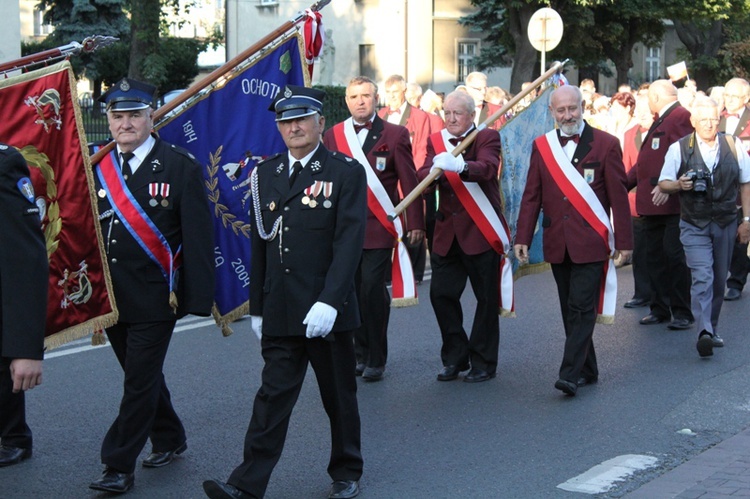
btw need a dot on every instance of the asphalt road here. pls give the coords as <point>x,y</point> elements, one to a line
<point>511,437</point>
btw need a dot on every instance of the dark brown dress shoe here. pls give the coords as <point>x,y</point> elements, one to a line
<point>159,459</point>
<point>216,489</point>
<point>651,319</point>
<point>567,387</point>
<point>373,373</point>
<point>732,294</point>
<point>344,489</point>
<point>636,303</point>
<point>12,455</point>
<point>449,373</point>
<point>680,324</point>
<point>113,481</point>
<point>477,375</point>
<point>586,380</point>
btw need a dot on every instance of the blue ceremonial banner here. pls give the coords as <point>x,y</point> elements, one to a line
<point>517,137</point>
<point>229,129</point>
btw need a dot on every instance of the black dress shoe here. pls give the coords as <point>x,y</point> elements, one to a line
<point>449,373</point>
<point>216,489</point>
<point>113,481</point>
<point>344,489</point>
<point>732,294</point>
<point>477,375</point>
<point>586,380</point>
<point>373,373</point>
<point>705,345</point>
<point>159,459</point>
<point>359,369</point>
<point>12,455</point>
<point>636,303</point>
<point>680,324</point>
<point>717,342</point>
<point>651,319</point>
<point>567,387</point>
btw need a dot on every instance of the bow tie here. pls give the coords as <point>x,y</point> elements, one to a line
<point>394,111</point>
<point>656,116</point>
<point>564,140</point>
<point>456,140</point>
<point>358,128</point>
<point>732,115</point>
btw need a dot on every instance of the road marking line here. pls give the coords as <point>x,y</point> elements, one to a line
<point>603,477</point>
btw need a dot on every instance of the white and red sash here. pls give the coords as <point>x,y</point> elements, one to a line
<point>491,224</point>
<point>137,222</point>
<point>404,289</point>
<point>583,198</point>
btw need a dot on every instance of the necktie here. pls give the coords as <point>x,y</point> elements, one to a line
<point>296,167</point>
<point>125,164</point>
<point>394,111</point>
<point>564,140</point>
<point>456,140</point>
<point>358,128</point>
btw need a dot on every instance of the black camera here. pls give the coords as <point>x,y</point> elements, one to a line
<point>700,180</point>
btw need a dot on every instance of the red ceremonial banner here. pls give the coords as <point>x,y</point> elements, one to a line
<point>42,120</point>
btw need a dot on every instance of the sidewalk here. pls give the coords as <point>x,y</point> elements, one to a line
<point>721,471</point>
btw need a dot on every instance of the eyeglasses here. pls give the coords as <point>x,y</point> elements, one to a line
<point>730,96</point>
<point>709,121</point>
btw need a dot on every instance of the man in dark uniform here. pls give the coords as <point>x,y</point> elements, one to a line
<point>310,210</point>
<point>386,150</point>
<point>157,230</point>
<point>23,303</point>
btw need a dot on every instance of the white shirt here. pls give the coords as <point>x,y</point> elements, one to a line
<point>140,153</point>
<point>710,157</point>
<point>395,118</point>
<point>362,135</point>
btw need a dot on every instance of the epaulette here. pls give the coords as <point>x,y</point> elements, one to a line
<point>264,160</point>
<point>343,158</point>
<point>183,151</point>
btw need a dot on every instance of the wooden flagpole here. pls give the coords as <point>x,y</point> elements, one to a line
<point>219,72</point>
<point>434,174</point>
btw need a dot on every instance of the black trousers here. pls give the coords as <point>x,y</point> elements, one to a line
<point>641,279</point>
<point>146,410</point>
<point>286,360</point>
<point>578,287</point>
<point>740,264</point>
<point>371,338</point>
<point>449,275</point>
<point>669,274</point>
<point>14,431</point>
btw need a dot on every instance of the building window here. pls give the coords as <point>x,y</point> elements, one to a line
<point>467,51</point>
<point>368,62</point>
<point>41,29</point>
<point>653,63</point>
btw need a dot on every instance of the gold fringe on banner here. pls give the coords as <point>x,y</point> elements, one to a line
<point>223,321</point>
<point>404,302</point>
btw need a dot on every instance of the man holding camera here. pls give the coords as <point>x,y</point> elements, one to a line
<point>707,169</point>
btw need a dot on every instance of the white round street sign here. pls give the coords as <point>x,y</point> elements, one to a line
<point>545,29</point>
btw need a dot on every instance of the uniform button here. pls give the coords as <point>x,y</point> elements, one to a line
<point>287,271</point>
<point>114,241</point>
<point>117,221</point>
<point>286,229</point>
<point>114,260</point>
<point>286,208</point>
<point>565,198</point>
<point>565,217</point>
<point>286,250</point>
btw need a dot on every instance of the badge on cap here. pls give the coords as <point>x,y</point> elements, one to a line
<point>288,92</point>
<point>24,185</point>
<point>124,85</point>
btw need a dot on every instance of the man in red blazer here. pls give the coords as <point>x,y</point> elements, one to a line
<point>670,276</point>
<point>476,86</point>
<point>385,148</point>
<point>400,112</point>
<point>459,248</point>
<point>735,121</point>
<point>576,175</point>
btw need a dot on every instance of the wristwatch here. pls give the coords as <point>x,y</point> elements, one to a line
<point>745,219</point>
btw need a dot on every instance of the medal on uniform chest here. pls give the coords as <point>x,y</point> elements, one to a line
<point>327,189</point>
<point>153,190</point>
<point>101,193</point>
<point>312,203</point>
<point>164,195</point>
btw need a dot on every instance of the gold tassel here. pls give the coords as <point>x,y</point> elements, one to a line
<point>173,301</point>
<point>98,338</point>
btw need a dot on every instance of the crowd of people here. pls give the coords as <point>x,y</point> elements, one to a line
<point>658,177</point>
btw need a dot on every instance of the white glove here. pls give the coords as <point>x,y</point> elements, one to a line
<point>256,325</point>
<point>320,319</point>
<point>448,162</point>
